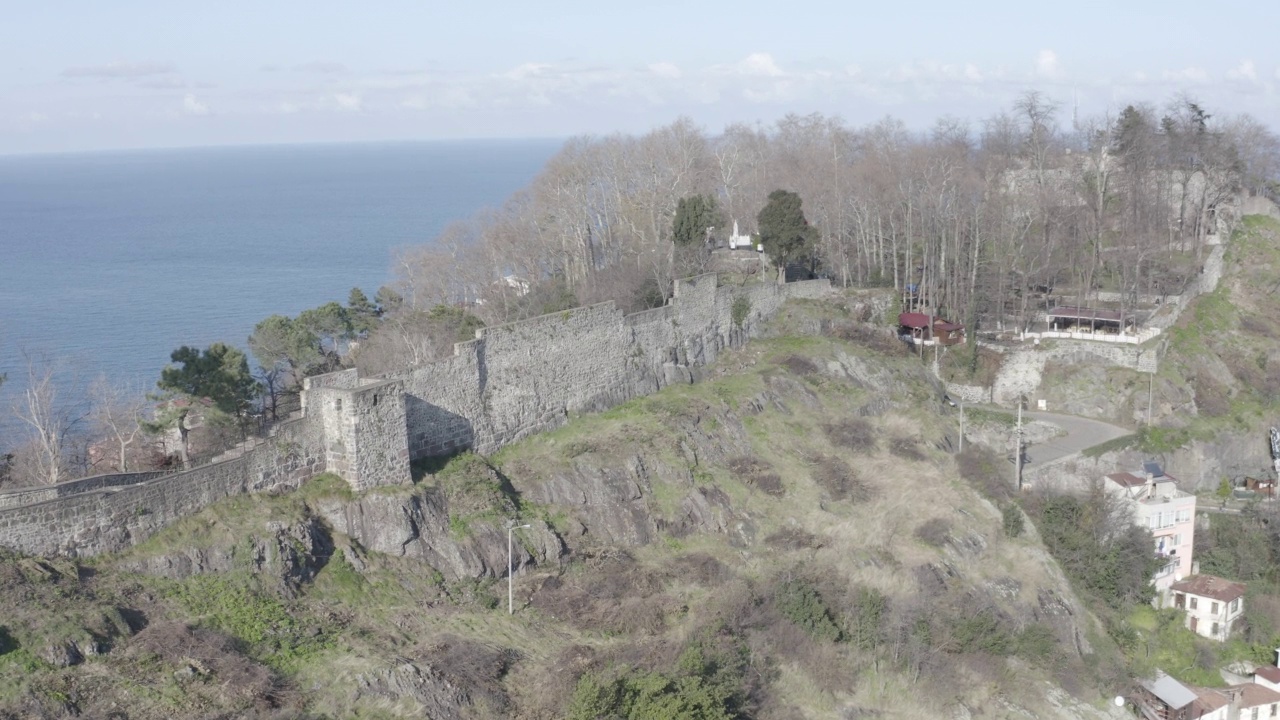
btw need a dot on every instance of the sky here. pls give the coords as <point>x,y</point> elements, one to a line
<point>87,75</point>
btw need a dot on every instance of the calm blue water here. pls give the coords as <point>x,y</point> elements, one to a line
<point>109,261</point>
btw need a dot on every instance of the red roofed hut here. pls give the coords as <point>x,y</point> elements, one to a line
<point>917,326</point>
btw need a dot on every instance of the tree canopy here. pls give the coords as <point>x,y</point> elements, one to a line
<point>219,374</point>
<point>785,233</point>
<point>696,217</point>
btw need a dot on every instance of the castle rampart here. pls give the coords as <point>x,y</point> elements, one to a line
<point>510,382</point>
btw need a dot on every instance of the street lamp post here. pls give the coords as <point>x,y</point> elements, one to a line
<point>511,597</point>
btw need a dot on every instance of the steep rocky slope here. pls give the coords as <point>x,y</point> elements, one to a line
<point>789,538</point>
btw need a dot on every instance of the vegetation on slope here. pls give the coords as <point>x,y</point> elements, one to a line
<point>1221,371</point>
<point>789,537</point>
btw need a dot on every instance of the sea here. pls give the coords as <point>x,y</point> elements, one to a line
<point>111,260</point>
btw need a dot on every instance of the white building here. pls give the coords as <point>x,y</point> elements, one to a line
<point>1212,605</point>
<point>739,241</point>
<point>1169,514</point>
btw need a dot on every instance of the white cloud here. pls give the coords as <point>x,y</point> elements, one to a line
<point>192,106</point>
<point>119,70</point>
<point>1187,75</point>
<point>527,71</point>
<point>665,69</point>
<point>286,108</point>
<point>1244,71</point>
<point>37,117</point>
<point>758,65</point>
<point>852,70</point>
<point>349,101</point>
<point>1047,64</point>
<point>933,72</point>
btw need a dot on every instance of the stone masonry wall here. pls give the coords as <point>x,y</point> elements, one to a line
<point>1126,356</point>
<point>511,381</point>
<point>30,496</point>
<point>109,519</point>
<point>522,378</point>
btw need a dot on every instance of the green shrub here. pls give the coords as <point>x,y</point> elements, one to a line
<point>706,684</point>
<point>1012,521</point>
<point>1035,642</point>
<point>800,602</point>
<point>866,627</point>
<point>740,310</point>
<point>981,632</point>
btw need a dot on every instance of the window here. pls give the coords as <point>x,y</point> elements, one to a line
<point>1193,603</point>
<point>1213,609</point>
<point>1273,709</point>
<point>1255,714</point>
<point>1235,607</point>
<point>1213,632</point>
<point>1184,516</point>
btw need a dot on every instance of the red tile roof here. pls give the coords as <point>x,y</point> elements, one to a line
<point>1254,695</point>
<point>1208,700</point>
<point>1126,480</point>
<point>1078,313</point>
<point>913,320</point>
<point>1210,587</point>
<point>1270,673</point>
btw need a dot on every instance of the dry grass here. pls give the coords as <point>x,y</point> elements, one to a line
<point>757,473</point>
<point>855,434</point>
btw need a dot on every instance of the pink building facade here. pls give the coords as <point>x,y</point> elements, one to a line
<point>1169,514</point>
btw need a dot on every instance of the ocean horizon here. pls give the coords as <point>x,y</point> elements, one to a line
<point>110,260</point>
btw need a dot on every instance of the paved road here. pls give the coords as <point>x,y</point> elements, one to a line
<point>1081,433</point>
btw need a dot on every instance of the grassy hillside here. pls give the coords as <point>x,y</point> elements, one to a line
<point>789,538</point>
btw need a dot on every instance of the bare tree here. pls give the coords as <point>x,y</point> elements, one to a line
<point>50,422</point>
<point>117,412</point>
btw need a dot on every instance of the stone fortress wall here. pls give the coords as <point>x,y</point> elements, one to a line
<point>510,382</point>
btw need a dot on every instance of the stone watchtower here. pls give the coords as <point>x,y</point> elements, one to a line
<point>365,435</point>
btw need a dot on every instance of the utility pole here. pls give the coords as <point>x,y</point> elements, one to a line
<point>511,597</point>
<point>961,427</point>
<point>1017,450</point>
<point>1151,392</point>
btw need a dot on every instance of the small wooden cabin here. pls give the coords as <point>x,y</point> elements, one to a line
<point>917,326</point>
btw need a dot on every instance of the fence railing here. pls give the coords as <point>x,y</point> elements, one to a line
<point>1126,339</point>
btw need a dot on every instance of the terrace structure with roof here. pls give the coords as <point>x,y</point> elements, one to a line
<point>1093,320</point>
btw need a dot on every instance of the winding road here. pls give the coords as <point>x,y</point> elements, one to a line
<point>1081,433</point>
